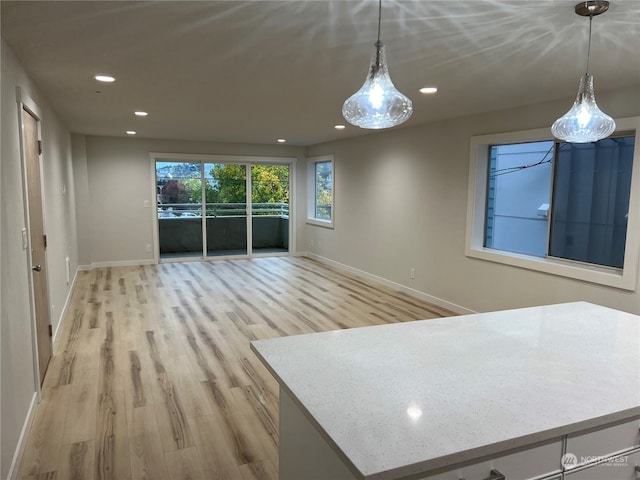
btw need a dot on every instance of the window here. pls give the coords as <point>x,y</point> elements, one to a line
<point>562,208</point>
<point>519,182</point>
<point>591,190</point>
<point>320,187</point>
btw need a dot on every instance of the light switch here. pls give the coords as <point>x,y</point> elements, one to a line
<point>25,240</point>
<point>146,204</point>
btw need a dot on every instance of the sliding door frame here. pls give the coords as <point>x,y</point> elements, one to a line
<point>224,159</point>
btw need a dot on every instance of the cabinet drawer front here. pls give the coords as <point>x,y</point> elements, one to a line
<point>622,469</point>
<point>532,463</point>
<point>605,441</point>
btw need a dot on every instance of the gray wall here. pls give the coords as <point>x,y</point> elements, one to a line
<point>114,178</point>
<point>401,203</point>
<point>17,382</point>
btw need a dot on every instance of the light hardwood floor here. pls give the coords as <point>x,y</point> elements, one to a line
<point>153,378</point>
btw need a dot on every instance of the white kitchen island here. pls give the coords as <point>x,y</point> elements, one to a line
<point>542,392</point>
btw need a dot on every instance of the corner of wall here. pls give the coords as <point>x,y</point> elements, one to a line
<point>82,197</point>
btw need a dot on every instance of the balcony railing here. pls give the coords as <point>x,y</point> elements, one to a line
<point>181,227</point>
<point>214,210</point>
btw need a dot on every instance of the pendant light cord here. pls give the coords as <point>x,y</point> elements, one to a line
<point>589,47</point>
<point>379,17</point>
<point>378,43</point>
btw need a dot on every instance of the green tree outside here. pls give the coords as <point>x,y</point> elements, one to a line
<point>225,183</point>
<point>270,183</point>
<point>324,190</point>
<point>194,187</point>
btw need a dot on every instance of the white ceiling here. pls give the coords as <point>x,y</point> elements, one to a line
<point>255,71</point>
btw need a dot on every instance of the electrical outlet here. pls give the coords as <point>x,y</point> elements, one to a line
<point>412,273</point>
<point>148,247</point>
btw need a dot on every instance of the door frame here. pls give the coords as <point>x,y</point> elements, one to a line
<point>236,159</point>
<point>26,103</point>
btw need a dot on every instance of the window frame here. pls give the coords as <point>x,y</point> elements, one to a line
<point>311,191</point>
<point>625,278</point>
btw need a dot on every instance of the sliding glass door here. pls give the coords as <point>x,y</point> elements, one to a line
<point>226,187</point>
<point>178,197</point>
<point>269,208</point>
<point>208,209</point>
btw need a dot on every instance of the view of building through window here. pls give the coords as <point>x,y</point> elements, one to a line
<point>590,210</point>
<point>561,200</point>
<point>518,197</point>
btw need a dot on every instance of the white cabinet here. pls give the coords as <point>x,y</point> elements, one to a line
<point>537,462</point>
<point>591,445</point>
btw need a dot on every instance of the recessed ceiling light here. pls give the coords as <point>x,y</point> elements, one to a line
<point>281,140</point>
<point>140,113</point>
<point>339,127</point>
<point>105,78</point>
<point>131,132</point>
<point>428,90</point>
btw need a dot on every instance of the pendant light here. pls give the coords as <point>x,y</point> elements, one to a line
<point>377,104</point>
<point>585,122</point>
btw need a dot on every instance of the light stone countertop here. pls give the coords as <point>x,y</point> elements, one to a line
<point>410,397</point>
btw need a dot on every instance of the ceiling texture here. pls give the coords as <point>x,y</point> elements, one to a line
<point>255,71</point>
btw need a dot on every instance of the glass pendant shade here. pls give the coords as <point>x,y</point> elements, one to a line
<point>378,104</point>
<point>585,122</point>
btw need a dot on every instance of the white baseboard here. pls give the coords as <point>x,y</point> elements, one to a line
<point>388,283</point>
<point>64,310</point>
<point>17,455</point>
<point>124,263</point>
